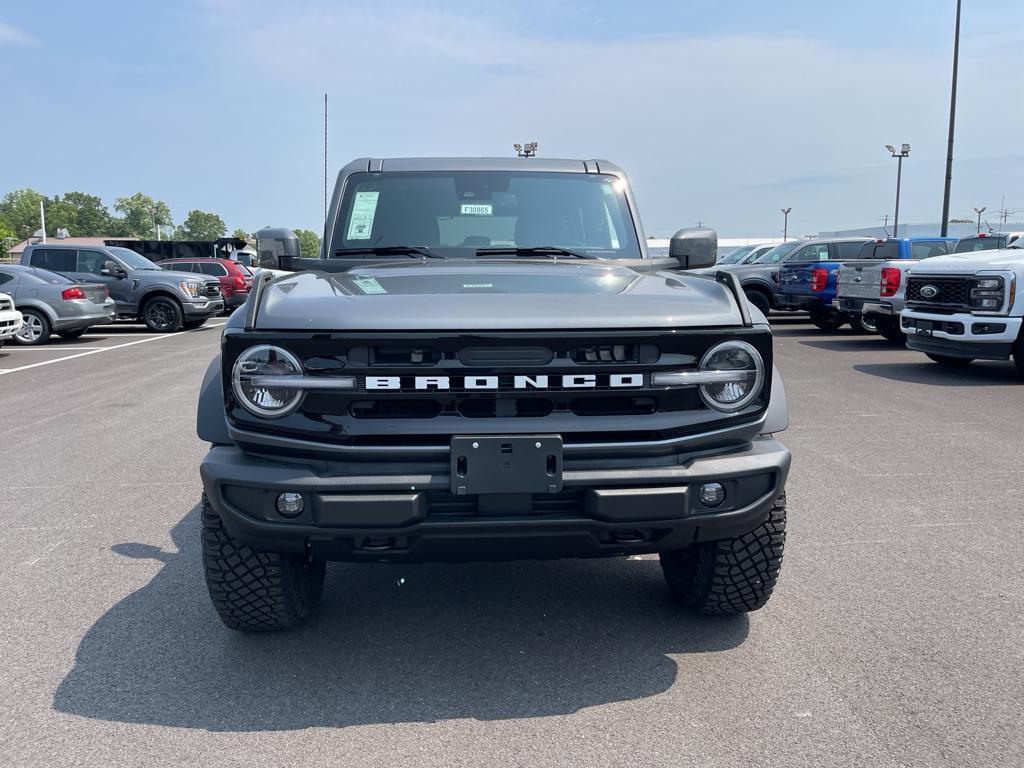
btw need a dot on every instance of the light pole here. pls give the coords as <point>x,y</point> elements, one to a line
<point>979,211</point>
<point>952,125</point>
<point>904,151</point>
<point>785,223</point>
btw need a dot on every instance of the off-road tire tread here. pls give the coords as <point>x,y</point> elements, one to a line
<point>257,591</point>
<point>730,576</point>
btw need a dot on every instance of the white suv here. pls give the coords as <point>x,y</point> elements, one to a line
<point>967,306</point>
<point>10,318</point>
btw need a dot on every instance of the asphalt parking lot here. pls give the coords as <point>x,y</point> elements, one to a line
<point>893,638</point>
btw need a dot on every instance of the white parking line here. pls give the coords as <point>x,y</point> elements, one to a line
<point>44,348</point>
<point>97,350</point>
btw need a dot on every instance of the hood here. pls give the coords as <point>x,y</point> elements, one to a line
<point>492,295</point>
<point>969,263</point>
<point>147,275</point>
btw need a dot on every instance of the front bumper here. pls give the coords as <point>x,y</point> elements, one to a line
<point>202,308</point>
<point>10,323</point>
<point>961,334</point>
<point>235,300</point>
<point>414,517</point>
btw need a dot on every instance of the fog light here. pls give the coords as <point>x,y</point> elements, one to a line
<point>712,494</point>
<point>290,504</point>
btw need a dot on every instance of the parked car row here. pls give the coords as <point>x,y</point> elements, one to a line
<point>63,289</point>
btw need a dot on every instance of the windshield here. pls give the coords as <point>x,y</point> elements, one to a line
<point>777,253</point>
<point>735,256</point>
<point>456,213</point>
<point>132,259</point>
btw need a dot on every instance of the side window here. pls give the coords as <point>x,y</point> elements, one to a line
<point>850,249</point>
<point>212,268</point>
<point>91,261</point>
<point>5,278</point>
<point>56,259</point>
<point>816,252</point>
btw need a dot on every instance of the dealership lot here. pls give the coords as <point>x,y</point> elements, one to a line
<point>893,638</point>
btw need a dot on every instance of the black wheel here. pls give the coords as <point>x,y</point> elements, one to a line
<point>70,335</point>
<point>889,328</point>
<point>950,362</point>
<point>190,324</point>
<point>761,301</point>
<point>729,576</point>
<point>162,315</point>
<point>35,328</point>
<point>828,319</point>
<point>257,591</point>
<point>864,324</point>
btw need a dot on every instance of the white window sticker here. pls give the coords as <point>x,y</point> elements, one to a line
<point>369,284</point>
<point>476,209</point>
<point>363,209</point>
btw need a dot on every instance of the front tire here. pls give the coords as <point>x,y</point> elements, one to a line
<point>257,591</point>
<point>162,315</point>
<point>729,576</point>
<point>35,329</point>
<point>828,320</point>
<point>761,301</point>
<point>950,362</point>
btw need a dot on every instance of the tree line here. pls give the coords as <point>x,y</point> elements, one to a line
<point>138,215</point>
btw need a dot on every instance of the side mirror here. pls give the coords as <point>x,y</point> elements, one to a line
<point>112,269</point>
<point>694,248</point>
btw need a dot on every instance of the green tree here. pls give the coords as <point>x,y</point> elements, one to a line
<point>83,215</point>
<point>19,211</point>
<point>138,213</point>
<point>7,240</point>
<point>309,243</point>
<point>961,221</point>
<point>200,225</point>
<point>242,234</point>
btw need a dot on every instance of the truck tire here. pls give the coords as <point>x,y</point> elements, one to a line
<point>889,329</point>
<point>950,362</point>
<point>162,314</point>
<point>35,328</point>
<point>829,319</point>
<point>863,324</point>
<point>760,300</point>
<point>257,591</point>
<point>729,576</point>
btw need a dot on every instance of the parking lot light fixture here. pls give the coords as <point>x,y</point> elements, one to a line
<point>785,224</point>
<point>979,211</point>
<point>904,151</point>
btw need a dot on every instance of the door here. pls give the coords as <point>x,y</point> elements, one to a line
<point>90,269</point>
<point>795,275</point>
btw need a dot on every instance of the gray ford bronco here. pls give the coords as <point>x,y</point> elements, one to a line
<point>486,364</point>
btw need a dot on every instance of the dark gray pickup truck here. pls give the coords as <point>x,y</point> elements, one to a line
<point>486,364</point>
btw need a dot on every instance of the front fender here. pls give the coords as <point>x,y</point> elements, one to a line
<point>777,418</point>
<point>211,423</point>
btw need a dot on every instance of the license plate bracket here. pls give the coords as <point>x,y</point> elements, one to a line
<point>521,464</point>
<point>925,327</point>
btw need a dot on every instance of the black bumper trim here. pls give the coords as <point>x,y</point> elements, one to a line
<point>937,345</point>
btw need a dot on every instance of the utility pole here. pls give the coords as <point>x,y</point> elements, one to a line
<point>979,211</point>
<point>325,160</point>
<point>904,151</point>
<point>42,219</point>
<point>885,223</point>
<point>785,223</point>
<point>952,125</point>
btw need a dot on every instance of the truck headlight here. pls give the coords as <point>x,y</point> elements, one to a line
<point>191,288</point>
<point>734,395</point>
<point>256,397</point>
<point>987,293</point>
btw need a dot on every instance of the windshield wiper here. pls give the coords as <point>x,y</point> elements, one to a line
<point>387,250</point>
<point>541,250</point>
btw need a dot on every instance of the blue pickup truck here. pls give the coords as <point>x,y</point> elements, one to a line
<point>807,279</point>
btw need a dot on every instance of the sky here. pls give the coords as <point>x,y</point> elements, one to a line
<point>720,112</point>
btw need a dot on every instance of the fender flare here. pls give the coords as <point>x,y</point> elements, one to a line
<point>777,418</point>
<point>211,423</point>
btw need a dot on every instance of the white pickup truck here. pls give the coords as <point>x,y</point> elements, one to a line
<point>10,318</point>
<point>872,288</point>
<point>967,306</point>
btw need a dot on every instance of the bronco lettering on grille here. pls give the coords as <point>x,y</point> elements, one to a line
<point>520,382</point>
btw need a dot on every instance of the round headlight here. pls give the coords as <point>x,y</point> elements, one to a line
<point>739,391</point>
<point>256,396</point>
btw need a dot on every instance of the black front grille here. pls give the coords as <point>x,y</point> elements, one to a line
<point>939,291</point>
<point>212,290</point>
<point>424,388</point>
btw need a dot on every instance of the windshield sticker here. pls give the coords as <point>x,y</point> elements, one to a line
<point>369,284</point>
<point>364,208</point>
<point>476,209</point>
<point>476,286</point>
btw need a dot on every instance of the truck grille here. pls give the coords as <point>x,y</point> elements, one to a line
<point>212,290</point>
<point>6,305</point>
<point>949,292</point>
<point>385,408</point>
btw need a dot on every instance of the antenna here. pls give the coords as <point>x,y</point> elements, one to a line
<point>526,150</point>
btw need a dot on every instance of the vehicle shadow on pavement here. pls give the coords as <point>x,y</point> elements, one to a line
<point>855,344</point>
<point>978,374</point>
<point>414,643</point>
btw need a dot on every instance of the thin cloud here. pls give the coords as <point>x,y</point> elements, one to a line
<point>11,34</point>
